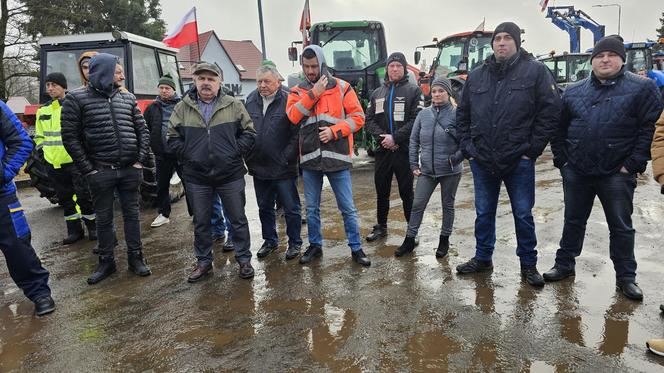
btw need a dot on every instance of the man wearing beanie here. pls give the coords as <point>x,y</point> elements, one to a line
<point>390,116</point>
<point>70,186</point>
<point>508,112</point>
<point>157,115</point>
<point>602,142</point>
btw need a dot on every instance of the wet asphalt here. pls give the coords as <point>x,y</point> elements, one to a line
<point>406,314</point>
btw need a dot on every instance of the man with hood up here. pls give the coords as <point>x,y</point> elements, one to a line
<point>84,66</point>
<point>105,134</point>
<point>509,110</point>
<point>328,113</point>
<point>390,117</point>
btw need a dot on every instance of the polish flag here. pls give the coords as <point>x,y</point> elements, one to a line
<point>543,4</point>
<point>305,21</point>
<point>185,32</point>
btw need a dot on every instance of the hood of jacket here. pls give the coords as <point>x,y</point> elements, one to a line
<point>322,66</point>
<point>102,72</point>
<point>84,55</point>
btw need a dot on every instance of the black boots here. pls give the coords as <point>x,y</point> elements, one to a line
<point>91,226</point>
<point>379,231</point>
<point>74,232</point>
<point>406,247</point>
<point>137,263</point>
<point>105,268</point>
<point>443,246</point>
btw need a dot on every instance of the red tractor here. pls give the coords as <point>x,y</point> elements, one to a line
<point>457,55</point>
<point>144,61</point>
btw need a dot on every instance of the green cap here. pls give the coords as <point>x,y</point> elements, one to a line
<point>168,80</point>
<point>207,66</point>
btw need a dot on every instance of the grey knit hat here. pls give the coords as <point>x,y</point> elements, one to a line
<point>444,83</point>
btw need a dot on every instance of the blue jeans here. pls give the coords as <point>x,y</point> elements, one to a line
<point>343,192</point>
<point>233,198</point>
<point>616,193</point>
<point>219,224</point>
<point>267,193</point>
<point>520,185</point>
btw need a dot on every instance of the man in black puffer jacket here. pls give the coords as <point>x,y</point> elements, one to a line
<point>105,134</point>
<point>509,109</point>
<point>603,141</point>
<point>389,119</point>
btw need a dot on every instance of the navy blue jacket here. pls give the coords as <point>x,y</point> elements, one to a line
<point>507,110</point>
<point>605,126</point>
<point>15,148</point>
<point>275,151</point>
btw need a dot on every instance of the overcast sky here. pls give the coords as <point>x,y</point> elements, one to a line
<point>410,23</point>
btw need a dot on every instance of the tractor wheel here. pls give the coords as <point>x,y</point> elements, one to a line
<point>36,168</point>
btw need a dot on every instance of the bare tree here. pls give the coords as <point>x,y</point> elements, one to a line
<point>18,66</point>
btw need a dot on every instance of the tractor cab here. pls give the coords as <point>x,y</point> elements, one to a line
<point>144,60</point>
<point>355,51</point>
<point>568,68</point>
<point>457,55</point>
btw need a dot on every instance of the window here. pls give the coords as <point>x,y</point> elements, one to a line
<point>169,66</point>
<point>66,62</point>
<point>350,49</point>
<point>144,70</point>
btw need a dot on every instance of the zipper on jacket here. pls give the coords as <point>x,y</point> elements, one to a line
<point>117,131</point>
<point>433,142</point>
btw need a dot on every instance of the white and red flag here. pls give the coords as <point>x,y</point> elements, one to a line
<point>305,21</point>
<point>185,32</point>
<point>543,4</point>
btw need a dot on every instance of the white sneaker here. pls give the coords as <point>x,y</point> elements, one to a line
<point>159,221</point>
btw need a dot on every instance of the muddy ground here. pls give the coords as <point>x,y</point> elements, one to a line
<point>407,314</point>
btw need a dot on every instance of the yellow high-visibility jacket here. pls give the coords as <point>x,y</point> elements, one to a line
<point>47,134</point>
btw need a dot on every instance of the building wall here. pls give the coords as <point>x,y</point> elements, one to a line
<point>214,52</point>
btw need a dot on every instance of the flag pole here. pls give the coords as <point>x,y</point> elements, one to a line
<point>198,44</point>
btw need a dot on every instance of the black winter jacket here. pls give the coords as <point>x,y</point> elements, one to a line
<point>403,100</point>
<point>103,126</point>
<point>275,151</point>
<point>153,117</point>
<point>507,110</point>
<point>605,126</point>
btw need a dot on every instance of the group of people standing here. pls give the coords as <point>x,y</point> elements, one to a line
<point>600,131</point>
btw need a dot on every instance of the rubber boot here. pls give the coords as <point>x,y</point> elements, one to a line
<point>137,264</point>
<point>105,268</point>
<point>443,246</point>
<point>91,226</point>
<point>74,232</point>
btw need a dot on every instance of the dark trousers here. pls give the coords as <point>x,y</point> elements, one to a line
<point>69,182</point>
<point>233,198</point>
<point>24,266</point>
<point>520,185</point>
<point>390,163</point>
<point>103,185</point>
<point>616,193</point>
<point>268,192</point>
<point>166,165</point>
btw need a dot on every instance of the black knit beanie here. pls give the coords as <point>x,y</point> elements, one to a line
<point>510,28</point>
<point>399,57</point>
<point>611,43</point>
<point>57,78</point>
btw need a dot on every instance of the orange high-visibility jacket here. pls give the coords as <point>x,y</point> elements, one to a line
<point>338,108</point>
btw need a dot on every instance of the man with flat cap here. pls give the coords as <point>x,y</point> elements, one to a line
<point>211,133</point>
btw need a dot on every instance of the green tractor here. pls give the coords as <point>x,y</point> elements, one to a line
<point>356,52</point>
